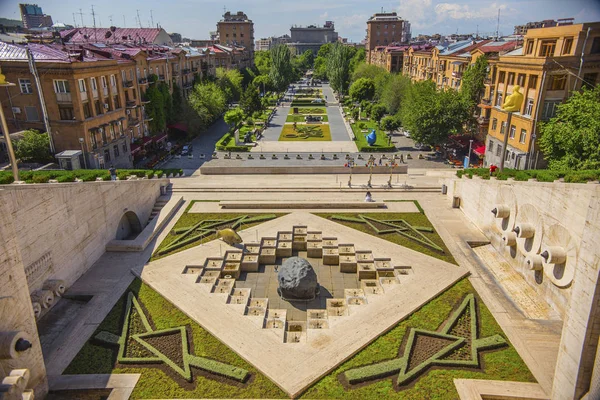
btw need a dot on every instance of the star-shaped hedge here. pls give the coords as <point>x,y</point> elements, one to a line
<point>138,344</point>
<point>455,345</point>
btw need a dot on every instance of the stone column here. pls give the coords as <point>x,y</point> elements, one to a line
<point>16,312</point>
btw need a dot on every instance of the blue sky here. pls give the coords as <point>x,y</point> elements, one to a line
<point>195,18</point>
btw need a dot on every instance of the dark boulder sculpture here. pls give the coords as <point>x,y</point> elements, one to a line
<point>297,280</point>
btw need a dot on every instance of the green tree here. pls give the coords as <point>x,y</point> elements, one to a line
<point>263,83</point>
<point>389,124</point>
<point>358,58</point>
<point>281,68</point>
<point>362,89</point>
<point>364,70</point>
<point>250,100</point>
<point>320,64</point>
<point>471,89</point>
<point>376,112</point>
<point>262,62</point>
<point>571,140</point>
<point>33,147</point>
<point>338,67</point>
<point>155,108</point>
<point>393,92</point>
<point>234,117</point>
<point>209,101</point>
<point>230,82</point>
<point>432,116</point>
<point>172,103</point>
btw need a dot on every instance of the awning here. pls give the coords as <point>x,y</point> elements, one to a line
<point>179,126</point>
<point>146,140</point>
<point>135,148</point>
<point>160,138</point>
<point>479,150</point>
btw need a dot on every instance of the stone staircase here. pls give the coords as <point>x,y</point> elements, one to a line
<point>218,276</point>
<point>158,205</point>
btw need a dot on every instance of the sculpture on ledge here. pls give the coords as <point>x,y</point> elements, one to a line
<point>297,280</point>
<point>514,101</point>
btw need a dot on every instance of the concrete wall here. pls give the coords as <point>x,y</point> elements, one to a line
<point>291,170</point>
<point>564,213</point>
<point>63,228</point>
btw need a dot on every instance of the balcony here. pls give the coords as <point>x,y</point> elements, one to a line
<point>113,90</point>
<point>127,84</point>
<point>63,98</point>
<point>143,81</point>
<point>105,91</point>
<point>130,104</point>
<point>486,102</point>
<point>457,74</point>
<point>133,121</point>
<point>147,117</point>
<point>84,96</point>
<point>483,121</point>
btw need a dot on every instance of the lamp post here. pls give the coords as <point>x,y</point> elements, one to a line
<point>9,147</point>
<point>350,178</point>
<point>83,152</point>
<point>469,154</point>
<point>391,173</point>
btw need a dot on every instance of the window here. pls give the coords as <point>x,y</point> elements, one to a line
<point>116,102</point>
<point>103,132</point>
<point>25,85</point>
<point>503,127</point>
<point>511,78</point>
<point>111,129</point>
<point>106,155</point>
<point>124,147</point>
<point>61,86</point>
<point>98,107</point>
<point>32,114</point>
<point>590,79</point>
<point>137,72</point>
<point>501,76</point>
<point>567,45</point>
<point>234,35</point>
<point>523,136</point>
<point>499,99</point>
<point>113,81</point>
<point>93,84</point>
<point>521,80</point>
<point>116,150</point>
<point>529,47</point>
<point>93,140</point>
<point>513,130</point>
<point>532,81</point>
<point>547,48</point>
<point>494,124</point>
<point>227,35</point>
<point>529,107</point>
<point>82,88</point>
<point>87,111</point>
<point>498,150</point>
<point>557,82</point>
<point>491,147</point>
<point>145,73</point>
<point>549,110</point>
<point>595,46</point>
<point>124,75</point>
<point>66,113</point>
<point>104,84</point>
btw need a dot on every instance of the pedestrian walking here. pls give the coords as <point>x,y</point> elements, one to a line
<point>113,173</point>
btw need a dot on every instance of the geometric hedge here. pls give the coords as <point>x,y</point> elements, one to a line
<point>399,226</point>
<point>140,344</point>
<point>455,345</point>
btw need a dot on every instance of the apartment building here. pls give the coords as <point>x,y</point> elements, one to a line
<point>33,16</point>
<point>237,31</point>
<point>548,68</point>
<point>94,95</point>
<point>385,29</point>
<point>391,58</point>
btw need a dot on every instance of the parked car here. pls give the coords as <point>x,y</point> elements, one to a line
<point>422,147</point>
<point>318,101</point>
<point>406,133</point>
<point>187,149</point>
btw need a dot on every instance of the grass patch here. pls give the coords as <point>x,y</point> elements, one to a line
<point>227,143</point>
<point>541,175</point>
<point>308,133</point>
<point>189,219</point>
<point>502,364</point>
<point>300,118</point>
<point>381,144</point>
<point>86,175</point>
<point>414,219</point>
<point>411,201</point>
<point>309,110</point>
<point>154,382</point>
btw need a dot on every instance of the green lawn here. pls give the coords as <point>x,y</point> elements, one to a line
<point>414,219</point>
<point>308,130</point>
<point>156,384</point>
<point>500,364</point>
<point>300,118</point>
<point>381,144</point>
<point>189,219</point>
<point>308,110</point>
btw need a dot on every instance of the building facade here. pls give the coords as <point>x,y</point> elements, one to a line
<point>385,29</point>
<point>547,68</point>
<point>312,37</point>
<point>33,17</point>
<point>391,58</point>
<point>547,23</point>
<point>237,31</point>
<point>94,95</point>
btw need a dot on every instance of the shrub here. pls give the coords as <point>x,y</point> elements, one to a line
<point>546,176</point>
<point>41,178</point>
<point>67,177</point>
<point>6,178</point>
<point>522,176</point>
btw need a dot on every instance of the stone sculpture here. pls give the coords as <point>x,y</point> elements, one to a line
<point>371,138</point>
<point>297,280</point>
<point>514,101</point>
<point>229,236</point>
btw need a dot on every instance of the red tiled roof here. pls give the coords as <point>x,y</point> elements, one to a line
<point>497,48</point>
<point>120,35</point>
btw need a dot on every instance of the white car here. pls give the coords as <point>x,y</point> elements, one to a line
<point>406,133</point>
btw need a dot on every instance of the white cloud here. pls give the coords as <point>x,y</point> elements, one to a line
<point>457,11</point>
<point>417,12</point>
<point>325,15</point>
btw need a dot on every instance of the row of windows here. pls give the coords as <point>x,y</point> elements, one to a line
<point>512,132</point>
<point>107,155</point>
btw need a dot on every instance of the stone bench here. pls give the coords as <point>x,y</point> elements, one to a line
<point>299,204</point>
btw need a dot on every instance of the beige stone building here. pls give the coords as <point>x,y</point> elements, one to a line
<point>385,29</point>
<point>237,30</point>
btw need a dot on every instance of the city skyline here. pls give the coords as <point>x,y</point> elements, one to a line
<point>274,18</point>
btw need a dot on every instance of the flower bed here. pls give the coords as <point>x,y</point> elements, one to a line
<point>320,133</point>
<point>541,175</point>
<point>381,144</point>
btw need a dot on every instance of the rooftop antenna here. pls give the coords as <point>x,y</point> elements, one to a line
<point>498,26</point>
<point>477,34</point>
<point>138,18</point>
<point>224,10</point>
<point>110,19</point>
<point>124,23</point>
<point>74,22</point>
<point>94,19</point>
<point>151,19</point>
<point>81,15</point>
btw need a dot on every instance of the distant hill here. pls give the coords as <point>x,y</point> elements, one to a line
<point>10,22</point>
